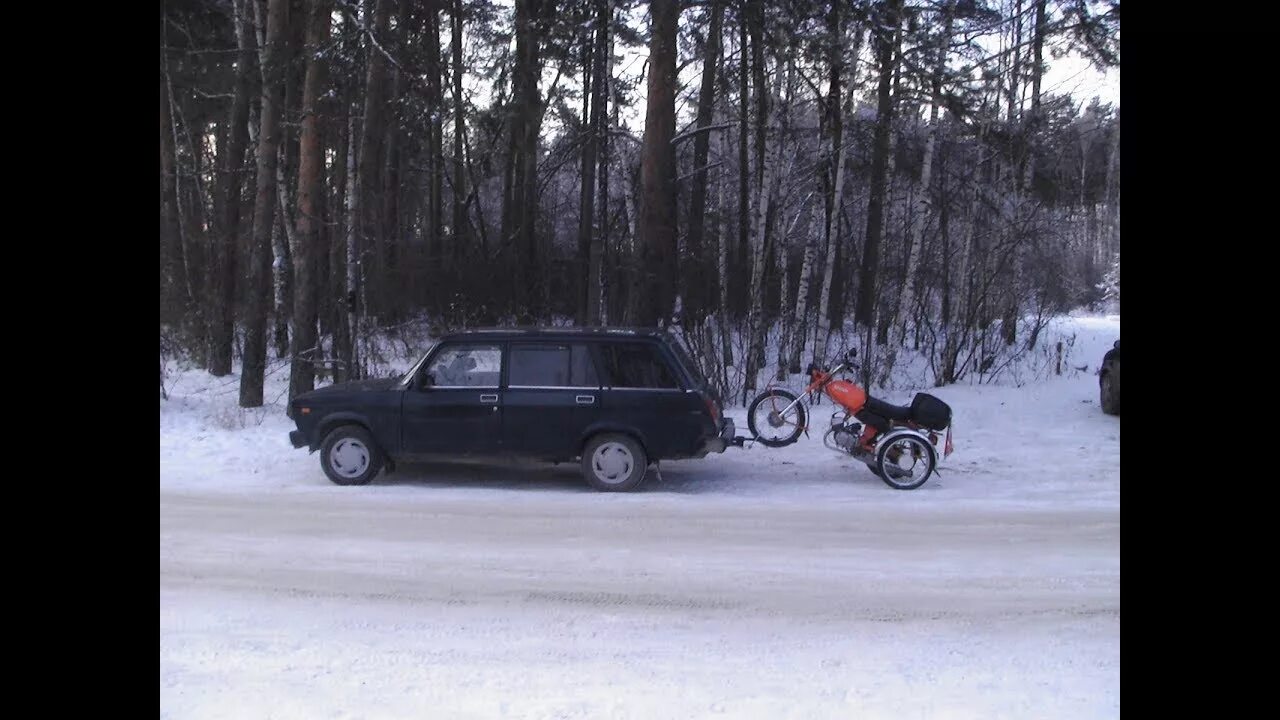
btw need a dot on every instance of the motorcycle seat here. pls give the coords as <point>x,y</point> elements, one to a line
<point>897,413</point>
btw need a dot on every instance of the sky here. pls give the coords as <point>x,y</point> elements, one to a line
<point>1073,75</point>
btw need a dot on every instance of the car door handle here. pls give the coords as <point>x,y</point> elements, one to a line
<point>488,398</point>
<point>585,399</point>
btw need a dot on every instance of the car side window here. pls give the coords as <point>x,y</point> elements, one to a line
<point>466,366</point>
<point>582,371</point>
<point>551,365</point>
<point>636,365</point>
<point>538,365</point>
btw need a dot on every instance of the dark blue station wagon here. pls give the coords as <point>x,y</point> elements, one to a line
<point>617,398</point>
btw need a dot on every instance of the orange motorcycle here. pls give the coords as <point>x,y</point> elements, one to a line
<point>897,443</point>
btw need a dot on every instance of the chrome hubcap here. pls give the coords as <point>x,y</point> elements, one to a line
<point>906,459</point>
<point>612,462</point>
<point>349,457</point>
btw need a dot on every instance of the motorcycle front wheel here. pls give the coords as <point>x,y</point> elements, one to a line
<point>770,425</point>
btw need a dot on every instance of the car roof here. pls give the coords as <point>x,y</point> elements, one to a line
<point>549,333</point>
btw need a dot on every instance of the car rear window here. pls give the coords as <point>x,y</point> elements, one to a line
<point>687,360</point>
<point>636,365</point>
<point>551,365</point>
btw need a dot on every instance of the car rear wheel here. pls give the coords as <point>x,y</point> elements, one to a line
<point>612,462</point>
<point>349,456</point>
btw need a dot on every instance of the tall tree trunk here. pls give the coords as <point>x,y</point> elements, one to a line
<point>784,302</point>
<point>832,254</point>
<point>435,100</point>
<point>391,214</point>
<point>520,198</point>
<point>344,290</point>
<point>459,235</point>
<point>760,250</point>
<point>696,277</point>
<point>884,306</point>
<point>597,273</point>
<point>1015,74</point>
<point>281,259</point>
<point>253,367</point>
<point>333,201</point>
<point>742,255</point>
<point>1022,181</point>
<point>181,246</point>
<point>1037,72</point>
<point>286,168</point>
<point>1112,238</point>
<point>764,192</point>
<point>885,35</point>
<point>790,324</point>
<point>962,305</point>
<point>760,88</point>
<point>222,325</point>
<point>654,296</point>
<point>923,205</point>
<point>944,233</point>
<point>831,183</point>
<point>309,241</point>
<point>723,240</point>
<point>368,179</point>
<point>783,252</point>
<point>802,298</point>
<point>171,241</point>
<point>195,219</point>
<point>587,194</point>
<point>349,355</point>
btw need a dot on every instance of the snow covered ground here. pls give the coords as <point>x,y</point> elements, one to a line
<point>784,583</point>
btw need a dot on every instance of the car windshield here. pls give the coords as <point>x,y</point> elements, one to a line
<point>404,379</point>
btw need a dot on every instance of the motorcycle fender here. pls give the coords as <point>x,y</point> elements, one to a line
<point>898,432</point>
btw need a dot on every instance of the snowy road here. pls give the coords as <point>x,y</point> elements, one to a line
<point>790,563</point>
<point>590,607</point>
<point>760,583</point>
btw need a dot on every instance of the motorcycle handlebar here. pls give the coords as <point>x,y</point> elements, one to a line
<point>846,362</point>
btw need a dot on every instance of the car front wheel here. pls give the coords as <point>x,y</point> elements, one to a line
<point>349,456</point>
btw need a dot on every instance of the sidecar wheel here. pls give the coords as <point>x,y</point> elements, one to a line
<point>906,462</point>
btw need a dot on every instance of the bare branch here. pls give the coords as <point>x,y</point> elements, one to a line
<point>690,133</point>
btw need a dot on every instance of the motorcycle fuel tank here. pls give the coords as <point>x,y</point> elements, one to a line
<point>849,395</point>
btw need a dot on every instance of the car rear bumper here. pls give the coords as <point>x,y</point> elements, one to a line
<point>298,439</point>
<point>720,442</point>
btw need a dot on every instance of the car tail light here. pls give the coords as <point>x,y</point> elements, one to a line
<point>712,409</point>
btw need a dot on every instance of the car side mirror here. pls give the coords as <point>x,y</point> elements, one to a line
<point>425,381</point>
